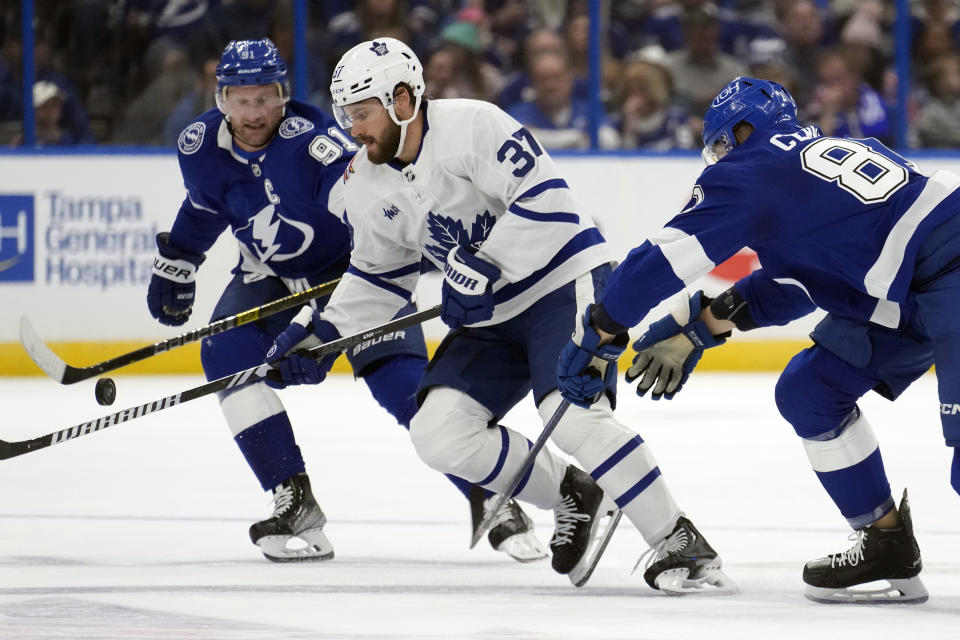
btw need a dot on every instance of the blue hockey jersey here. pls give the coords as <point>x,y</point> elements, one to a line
<point>835,222</point>
<point>284,203</point>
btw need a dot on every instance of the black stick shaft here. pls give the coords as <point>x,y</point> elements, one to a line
<point>72,374</point>
<point>520,473</point>
<point>17,448</point>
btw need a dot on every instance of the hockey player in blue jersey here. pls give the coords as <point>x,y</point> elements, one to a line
<point>844,225</point>
<point>464,185</point>
<point>269,168</point>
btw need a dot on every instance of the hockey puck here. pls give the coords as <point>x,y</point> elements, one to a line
<point>105,391</point>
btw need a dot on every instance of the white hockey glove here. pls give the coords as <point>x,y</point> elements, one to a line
<point>671,348</point>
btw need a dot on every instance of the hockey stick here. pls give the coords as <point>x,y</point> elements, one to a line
<point>56,368</point>
<point>17,448</point>
<point>504,496</point>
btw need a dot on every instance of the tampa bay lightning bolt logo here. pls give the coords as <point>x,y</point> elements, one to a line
<point>447,232</point>
<point>191,138</point>
<point>292,127</point>
<point>379,48</point>
<point>268,232</point>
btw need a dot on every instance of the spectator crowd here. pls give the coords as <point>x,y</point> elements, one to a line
<point>137,71</point>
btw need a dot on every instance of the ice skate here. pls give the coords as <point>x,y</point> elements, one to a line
<point>883,566</point>
<point>576,520</point>
<point>511,530</point>
<point>294,532</point>
<point>685,563</point>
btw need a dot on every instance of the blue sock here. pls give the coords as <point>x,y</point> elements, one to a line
<point>271,450</point>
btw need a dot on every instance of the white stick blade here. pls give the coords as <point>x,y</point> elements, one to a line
<point>39,352</point>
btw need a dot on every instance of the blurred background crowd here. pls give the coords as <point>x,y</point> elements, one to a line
<point>138,71</point>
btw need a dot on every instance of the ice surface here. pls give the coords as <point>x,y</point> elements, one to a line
<point>140,531</point>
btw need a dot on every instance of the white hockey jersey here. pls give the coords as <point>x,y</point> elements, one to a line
<point>480,180</point>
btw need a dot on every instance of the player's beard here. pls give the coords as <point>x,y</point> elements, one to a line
<point>387,146</point>
<point>256,139</point>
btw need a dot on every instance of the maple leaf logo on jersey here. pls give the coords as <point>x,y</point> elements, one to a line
<point>392,212</point>
<point>379,48</point>
<point>447,232</point>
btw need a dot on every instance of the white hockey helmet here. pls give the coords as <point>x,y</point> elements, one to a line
<point>373,69</point>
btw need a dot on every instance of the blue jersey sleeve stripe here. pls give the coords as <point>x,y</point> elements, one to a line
<point>402,271</point>
<point>537,216</point>
<point>580,242</point>
<point>377,281</point>
<point>546,185</point>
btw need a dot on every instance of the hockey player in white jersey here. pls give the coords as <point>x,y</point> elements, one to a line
<point>466,186</point>
<point>269,167</point>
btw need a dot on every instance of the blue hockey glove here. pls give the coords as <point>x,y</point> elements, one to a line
<point>172,287</point>
<point>670,349</point>
<point>585,370</point>
<point>305,331</point>
<point>467,289</point>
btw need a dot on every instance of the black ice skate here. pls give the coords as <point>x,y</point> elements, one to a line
<point>684,563</point>
<point>511,530</point>
<point>576,520</point>
<point>295,531</point>
<point>888,558</point>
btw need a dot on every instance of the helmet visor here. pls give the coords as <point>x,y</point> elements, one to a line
<point>719,147</point>
<point>240,101</point>
<point>356,113</point>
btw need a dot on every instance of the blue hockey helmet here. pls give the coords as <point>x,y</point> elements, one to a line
<point>251,63</point>
<point>761,103</point>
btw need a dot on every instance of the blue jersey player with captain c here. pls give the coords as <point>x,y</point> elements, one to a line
<point>270,169</point>
<point>845,225</point>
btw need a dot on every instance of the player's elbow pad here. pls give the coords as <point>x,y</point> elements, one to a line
<point>731,305</point>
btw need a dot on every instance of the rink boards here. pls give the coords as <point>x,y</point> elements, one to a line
<point>77,244</point>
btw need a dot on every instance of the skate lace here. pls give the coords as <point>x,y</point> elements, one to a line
<point>282,499</point>
<point>503,515</point>
<point>661,550</point>
<point>567,518</point>
<point>854,554</point>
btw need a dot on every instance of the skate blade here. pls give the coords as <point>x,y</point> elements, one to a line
<point>581,573</point>
<point>310,545</point>
<point>713,582</point>
<point>523,547</point>
<point>893,591</point>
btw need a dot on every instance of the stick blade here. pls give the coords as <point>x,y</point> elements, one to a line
<point>484,525</point>
<point>40,353</point>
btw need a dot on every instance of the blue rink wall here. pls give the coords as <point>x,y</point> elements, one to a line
<point>77,242</point>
